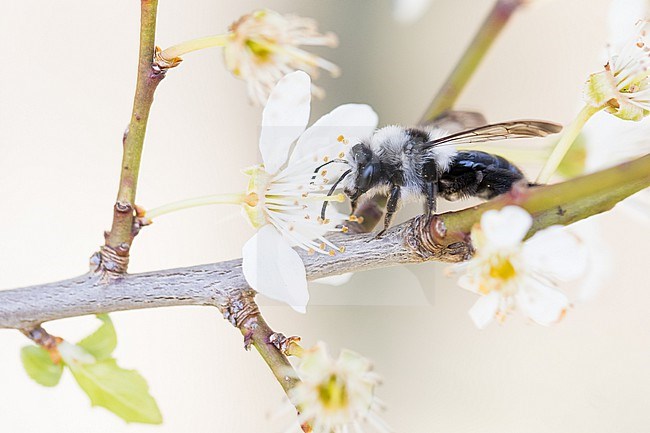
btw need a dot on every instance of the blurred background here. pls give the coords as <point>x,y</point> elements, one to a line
<point>66,90</point>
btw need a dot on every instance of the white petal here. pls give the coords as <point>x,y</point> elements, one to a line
<point>623,15</point>
<point>484,310</point>
<point>469,282</point>
<point>352,121</point>
<point>543,304</point>
<point>335,280</point>
<point>506,227</point>
<point>273,268</point>
<point>601,258</point>
<point>638,206</point>
<point>284,118</point>
<point>610,140</point>
<point>409,11</point>
<point>315,362</point>
<point>556,254</point>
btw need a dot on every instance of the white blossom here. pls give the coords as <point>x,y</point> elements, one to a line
<point>610,141</point>
<point>509,273</point>
<point>336,396</point>
<point>409,11</point>
<point>623,87</point>
<point>285,195</point>
<point>265,45</point>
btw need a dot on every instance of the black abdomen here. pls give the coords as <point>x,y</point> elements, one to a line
<point>478,174</point>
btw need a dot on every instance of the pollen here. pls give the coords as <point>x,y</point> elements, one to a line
<point>326,221</point>
<point>340,138</point>
<point>342,249</point>
<point>502,269</point>
<point>322,246</point>
<point>341,154</point>
<point>310,252</point>
<point>360,220</point>
<point>354,218</point>
<point>345,229</point>
<point>251,199</point>
<point>326,158</point>
<point>331,252</point>
<point>323,173</point>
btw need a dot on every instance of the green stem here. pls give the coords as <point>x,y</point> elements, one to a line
<point>569,135</point>
<point>194,202</point>
<point>119,239</point>
<point>183,48</point>
<point>562,203</point>
<point>258,333</point>
<point>471,59</point>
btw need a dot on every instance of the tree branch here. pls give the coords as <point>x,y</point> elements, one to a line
<point>494,23</point>
<point>114,255</point>
<point>442,238</point>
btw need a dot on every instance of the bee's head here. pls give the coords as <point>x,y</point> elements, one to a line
<point>365,170</point>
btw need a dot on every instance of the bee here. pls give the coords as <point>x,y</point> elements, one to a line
<point>422,163</point>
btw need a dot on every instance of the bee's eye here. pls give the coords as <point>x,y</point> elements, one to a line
<point>368,176</point>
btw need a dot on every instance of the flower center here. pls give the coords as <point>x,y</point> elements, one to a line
<point>333,394</point>
<point>261,51</point>
<point>501,268</point>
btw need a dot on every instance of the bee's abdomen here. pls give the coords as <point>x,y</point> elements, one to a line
<point>478,174</point>
<point>477,160</point>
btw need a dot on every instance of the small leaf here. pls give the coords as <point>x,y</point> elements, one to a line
<point>102,342</point>
<point>123,392</point>
<point>39,365</point>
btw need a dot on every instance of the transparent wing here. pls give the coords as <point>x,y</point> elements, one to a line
<point>497,131</point>
<point>455,121</point>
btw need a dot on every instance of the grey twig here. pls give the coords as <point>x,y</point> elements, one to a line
<point>442,238</point>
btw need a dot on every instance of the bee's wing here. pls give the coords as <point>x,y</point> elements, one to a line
<point>455,121</point>
<point>497,131</point>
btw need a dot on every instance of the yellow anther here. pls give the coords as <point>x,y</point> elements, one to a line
<point>252,199</point>
<point>340,139</point>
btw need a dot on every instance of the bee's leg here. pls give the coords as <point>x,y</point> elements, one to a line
<point>430,174</point>
<point>353,204</point>
<point>391,208</point>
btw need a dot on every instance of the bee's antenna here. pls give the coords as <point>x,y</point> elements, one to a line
<point>331,191</point>
<point>327,163</point>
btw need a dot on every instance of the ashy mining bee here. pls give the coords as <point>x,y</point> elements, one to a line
<point>420,163</point>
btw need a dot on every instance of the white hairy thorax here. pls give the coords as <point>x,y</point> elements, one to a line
<point>393,144</point>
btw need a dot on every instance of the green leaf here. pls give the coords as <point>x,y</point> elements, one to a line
<point>102,342</point>
<point>123,392</point>
<point>39,365</point>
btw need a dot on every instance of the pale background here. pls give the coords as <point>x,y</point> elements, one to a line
<point>65,96</point>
